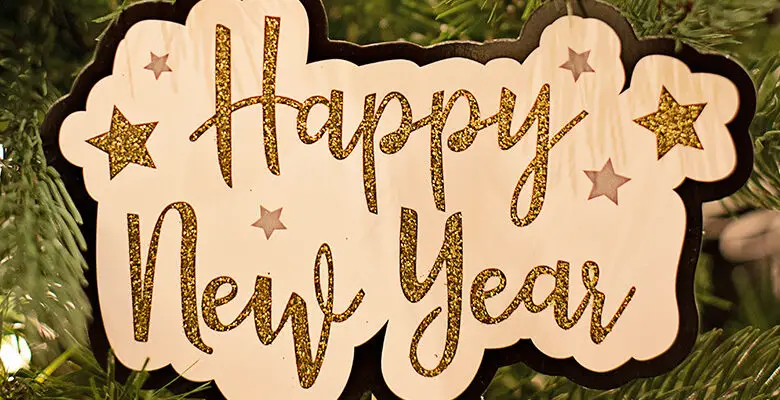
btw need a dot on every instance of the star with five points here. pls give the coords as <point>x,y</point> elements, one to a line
<point>673,124</point>
<point>269,221</point>
<point>577,64</point>
<point>606,182</point>
<point>125,143</point>
<point>158,65</point>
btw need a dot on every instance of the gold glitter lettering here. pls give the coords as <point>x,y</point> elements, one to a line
<point>142,287</point>
<point>394,141</point>
<point>308,368</point>
<point>224,109</point>
<point>436,119</point>
<point>270,53</point>
<point>464,138</point>
<point>223,114</point>
<point>590,277</point>
<point>559,298</point>
<point>451,253</point>
<point>211,302</point>
<point>367,130</point>
<point>390,143</point>
<point>458,141</point>
<point>479,295</point>
<point>335,111</point>
<point>260,304</point>
<point>540,113</point>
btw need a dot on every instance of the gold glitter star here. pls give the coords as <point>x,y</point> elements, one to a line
<point>673,124</point>
<point>125,143</point>
<point>269,221</point>
<point>158,65</point>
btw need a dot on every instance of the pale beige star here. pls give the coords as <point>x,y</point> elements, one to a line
<point>269,221</point>
<point>578,64</point>
<point>125,143</point>
<point>673,124</point>
<point>606,182</point>
<point>158,65</point>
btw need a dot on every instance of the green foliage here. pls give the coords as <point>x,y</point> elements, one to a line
<point>758,305</point>
<point>762,190</point>
<point>412,20</point>
<point>704,24</point>
<point>44,43</point>
<point>81,377</point>
<point>481,19</point>
<point>41,267</point>
<point>426,22</point>
<point>745,365</point>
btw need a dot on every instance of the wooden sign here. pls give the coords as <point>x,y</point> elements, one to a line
<point>303,218</point>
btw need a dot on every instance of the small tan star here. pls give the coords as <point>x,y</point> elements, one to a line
<point>673,124</point>
<point>269,221</point>
<point>577,64</point>
<point>125,143</point>
<point>606,182</point>
<point>158,65</point>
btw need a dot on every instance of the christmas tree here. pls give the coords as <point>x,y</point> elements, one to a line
<point>45,350</point>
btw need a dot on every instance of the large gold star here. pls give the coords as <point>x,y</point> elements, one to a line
<point>125,143</point>
<point>673,124</point>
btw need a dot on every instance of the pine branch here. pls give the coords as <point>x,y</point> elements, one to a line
<point>705,24</point>
<point>763,189</point>
<point>383,20</point>
<point>744,366</point>
<point>41,267</point>
<point>483,19</point>
<point>80,377</point>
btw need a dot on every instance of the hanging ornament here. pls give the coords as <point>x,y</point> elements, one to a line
<point>304,218</point>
